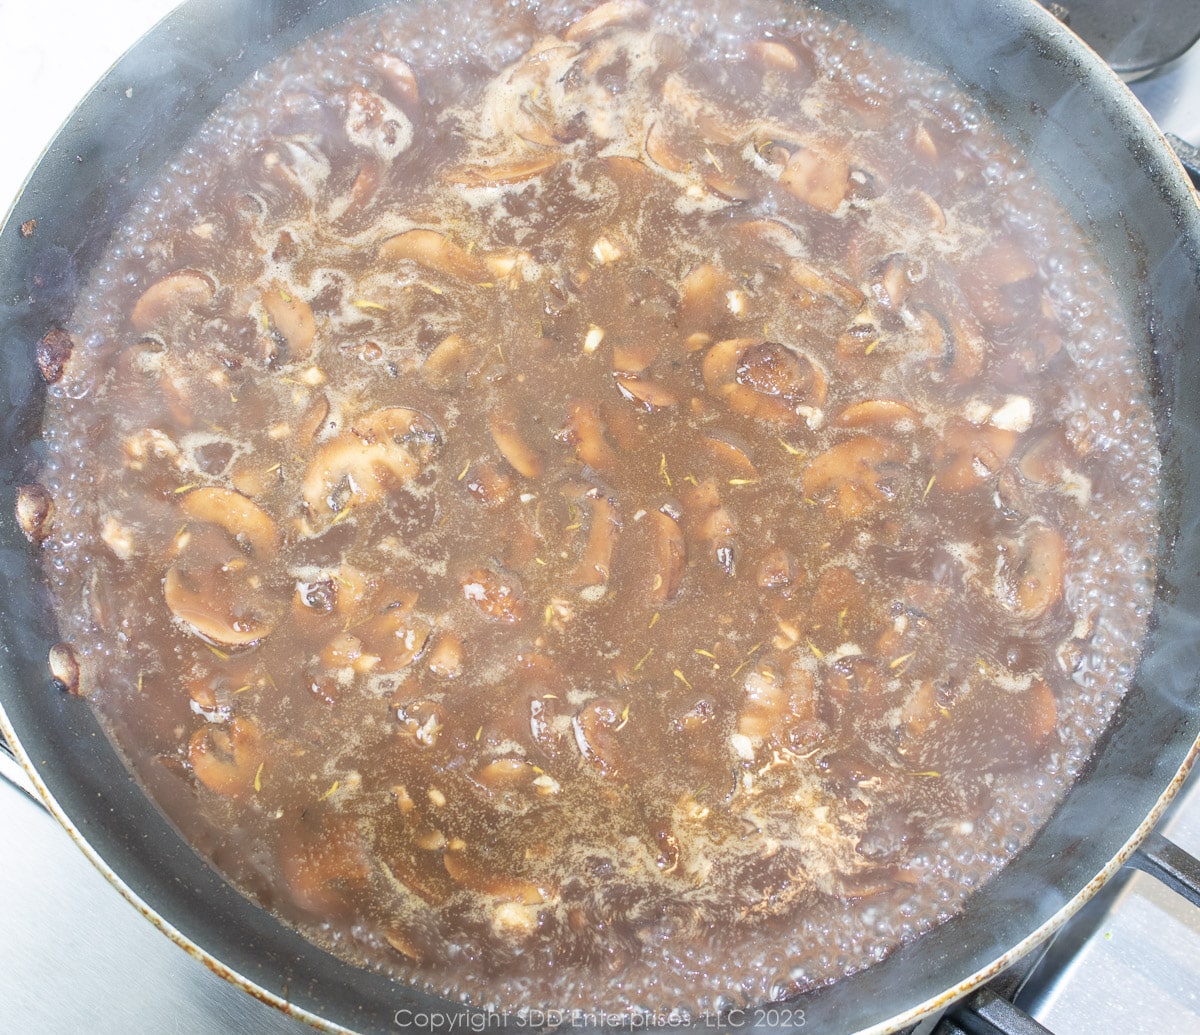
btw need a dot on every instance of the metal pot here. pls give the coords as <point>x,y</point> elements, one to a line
<point>1088,138</point>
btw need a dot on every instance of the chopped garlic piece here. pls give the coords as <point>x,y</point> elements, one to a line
<point>742,746</point>
<point>605,251</point>
<point>1015,414</point>
<point>591,342</point>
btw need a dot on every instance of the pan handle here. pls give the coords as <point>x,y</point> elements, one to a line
<point>1167,862</point>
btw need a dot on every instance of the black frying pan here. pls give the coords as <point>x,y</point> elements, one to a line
<point>1087,136</point>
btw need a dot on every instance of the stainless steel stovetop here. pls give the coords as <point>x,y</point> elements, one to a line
<point>74,956</point>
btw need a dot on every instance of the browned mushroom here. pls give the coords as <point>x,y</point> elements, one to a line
<point>357,467</point>
<point>174,293</point>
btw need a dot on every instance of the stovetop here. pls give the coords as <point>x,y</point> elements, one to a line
<point>75,957</point>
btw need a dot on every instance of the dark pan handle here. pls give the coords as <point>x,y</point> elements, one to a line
<point>1167,862</point>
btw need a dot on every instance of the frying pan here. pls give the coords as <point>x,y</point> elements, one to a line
<point>1087,137</point>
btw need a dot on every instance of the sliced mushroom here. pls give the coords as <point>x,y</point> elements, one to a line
<point>703,296</point>
<point>246,523</point>
<point>709,521</point>
<point>730,455</point>
<point>851,474</point>
<point>292,321</point>
<point>513,447</point>
<point>499,598</point>
<point>226,760</point>
<point>34,509</point>
<point>826,284</point>
<point>670,556</point>
<point>376,124</point>
<point>585,430</point>
<point>451,362</point>
<point>357,467</point>
<point>173,294</point>
<point>771,54</point>
<point>436,252</point>
<point>52,354</point>
<point>766,379</point>
<point>606,16</point>
<point>969,455</point>
<point>64,667</point>
<point>477,874</point>
<point>596,728</point>
<point>215,604</point>
<point>775,706</point>
<point>1029,574</point>
<point>395,637</point>
<point>214,587</point>
<point>445,659</point>
<point>324,864</point>
<point>818,177</point>
<point>662,152</point>
<point>649,395</point>
<point>400,79</point>
<point>879,413</point>
<point>595,564</point>
<point>506,774</point>
<point>501,170</point>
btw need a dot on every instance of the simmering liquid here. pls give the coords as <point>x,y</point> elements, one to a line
<point>617,508</point>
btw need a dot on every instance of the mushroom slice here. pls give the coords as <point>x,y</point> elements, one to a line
<point>52,354</point>
<point>649,395</point>
<point>477,875</point>
<point>64,668</point>
<point>400,79</point>
<point>773,55</point>
<point>765,379</point>
<point>506,774</point>
<point>524,459</point>
<point>970,454</point>
<point>375,124</point>
<point>436,252</point>
<point>251,527</point>
<point>606,16</point>
<point>216,605</point>
<point>323,862</point>
<point>585,431</point>
<point>292,320</point>
<point>711,522</point>
<point>596,728</point>
<point>1029,573</point>
<point>175,293</point>
<point>451,362</point>
<point>849,473</point>
<point>499,598</point>
<point>226,760</point>
<point>670,556</point>
<point>730,455</point>
<point>660,150</point>
<point>395,637</point>
<point>818,177</point>
<point>593,567</point>
<point>213,587</point>
<point>704,296</point>
<point>501,170</point>
<point>357,467</point>
<point>34,509</point>
<point>887,413</point>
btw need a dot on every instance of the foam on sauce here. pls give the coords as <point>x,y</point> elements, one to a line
<point>567,520</point>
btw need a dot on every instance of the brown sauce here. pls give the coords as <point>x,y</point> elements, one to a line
<point>572,521</point>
